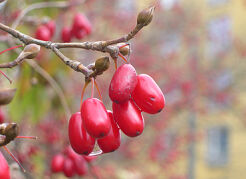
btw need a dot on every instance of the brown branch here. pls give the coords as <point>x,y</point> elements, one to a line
<point>14,63</point>
<point>103,46</point>
<point>53,84</point>
<point>75,65</point>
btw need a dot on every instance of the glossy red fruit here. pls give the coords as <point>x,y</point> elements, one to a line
<point>112,141</point>
<point>80,21</point>
<point>123,83</point>
<point>51,25</point>
<point>68,167</point>
<point>80,164</point>
<point>129,118</point>
<point>57,163</point>
<point>147,95</point>
<point>4,168</point>
<point>80,140</point>
<point>95,118</point>
<point>66,34</point>
<point>43,33</point>
<point>1,116</point>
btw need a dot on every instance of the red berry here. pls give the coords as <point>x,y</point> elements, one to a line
<point>80,165</point>
<point>112,141</point>
<point>68,167</point>
<point>1,116</point>
<point>80,140</point>
<point>80,34</point>
<point>52,27</point>
<point>123,83</point>
<point>4,168</point>
<point>57,163</point>
<point>95,118</point>
<point>66,34</point>
<point>43,33</point>
<point>147,95</point>
<point>129,118</point>
<point>81,22</point>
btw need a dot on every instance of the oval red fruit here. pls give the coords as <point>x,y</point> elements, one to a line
<point>147,95</point>
<point>80,140</point>
<point>43,33</point>
<point>80,22</point>
<point>80,165</point>
<point>129,118</point>
<point>68,167</point>
<point>57,163</point>
<point>95,118</point>
<point>112,141</point>
<point>4,168</point>
<point>66,34</point>
<point>80,34</point>
<point>123,83</point>
<point>51,26</point>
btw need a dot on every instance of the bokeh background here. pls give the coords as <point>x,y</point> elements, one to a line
<point>194,49</point>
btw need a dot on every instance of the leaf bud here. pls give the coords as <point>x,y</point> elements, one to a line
<point>145,16</point>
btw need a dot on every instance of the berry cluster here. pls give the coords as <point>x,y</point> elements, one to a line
<point>70,163</point>
<point>46,31</point>
<point>131,94</point>
<point>80,28</point>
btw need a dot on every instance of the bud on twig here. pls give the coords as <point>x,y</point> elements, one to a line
<point>145,16</point>
<point>6,96</point>
<point>102,64</point>
<point>124,48</point>
<point>31,51</point>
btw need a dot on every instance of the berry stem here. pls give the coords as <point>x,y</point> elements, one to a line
<point>123,57</point>
<point>11,48</point>
<point>83,91</point>
<point>27,137</point>
<point>115,63</point>
<point>15,159</point>
<point>10,81</point>
<point>124,46</point>
<point>92,87</point>
<point>98,90</point>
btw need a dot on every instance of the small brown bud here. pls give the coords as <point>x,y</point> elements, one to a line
<point>124,50</point>
<point>145,16</point>
<point>102,64</point>
<point>6,96</point>
<point>8,132</point>
<point>31,51</point>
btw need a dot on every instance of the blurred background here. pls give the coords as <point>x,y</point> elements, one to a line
<point>194,49</point>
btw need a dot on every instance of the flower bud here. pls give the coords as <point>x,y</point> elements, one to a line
<point>31,51</point>
<point>145,16</point>
<point>124,50</point>
<point>6,96</point>
<point>102,64</point>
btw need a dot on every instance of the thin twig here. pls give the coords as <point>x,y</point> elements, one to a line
<point>53,84</point>
<point>61,4</point>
